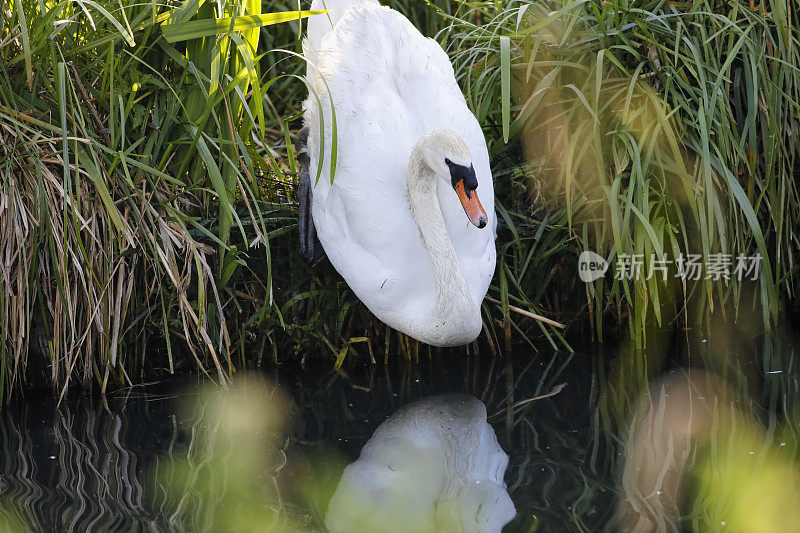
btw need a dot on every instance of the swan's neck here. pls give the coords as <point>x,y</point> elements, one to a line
<point>453,300</point>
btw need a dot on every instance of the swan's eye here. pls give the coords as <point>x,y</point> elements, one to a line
<point>464,174</point>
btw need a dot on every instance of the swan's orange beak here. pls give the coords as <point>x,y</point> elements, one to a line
<point>472,206</point>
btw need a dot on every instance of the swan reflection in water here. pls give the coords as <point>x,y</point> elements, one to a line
<point>433,466</point>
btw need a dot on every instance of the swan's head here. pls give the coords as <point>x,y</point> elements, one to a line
<point>446,153</point>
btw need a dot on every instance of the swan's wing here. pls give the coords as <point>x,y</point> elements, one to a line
<point>319,26</point>
<point>390,86</point>
<point>363,218</point>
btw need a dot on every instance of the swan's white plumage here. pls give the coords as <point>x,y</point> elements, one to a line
<point>390,86</point>
<point>433,466</point>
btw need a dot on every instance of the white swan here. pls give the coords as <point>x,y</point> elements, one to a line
<point>433,466</point>
<point>411,160</point>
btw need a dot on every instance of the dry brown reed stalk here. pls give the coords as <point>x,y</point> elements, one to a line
<point>73,256</point>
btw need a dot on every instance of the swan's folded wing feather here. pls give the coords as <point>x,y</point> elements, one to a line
<point>390,86</point>
<point>363,218</point>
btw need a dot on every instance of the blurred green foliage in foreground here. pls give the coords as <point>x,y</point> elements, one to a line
<point>694,456</point>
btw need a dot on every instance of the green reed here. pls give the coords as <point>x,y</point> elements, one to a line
<point>657,128</point>
<point>130,137</point>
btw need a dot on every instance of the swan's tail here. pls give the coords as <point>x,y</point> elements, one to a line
<point>320,25</point>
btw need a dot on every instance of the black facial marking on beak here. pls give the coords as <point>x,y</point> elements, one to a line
<point>464,183</point>
<point>464,174</point>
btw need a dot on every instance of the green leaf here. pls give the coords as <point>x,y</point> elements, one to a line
<point>505,83</point>
<point>196,29</point>
<point>185,11</point>
<point>247,57</point>
<point>126,33</point>
<point>90,166</point>
<point>26,44</point>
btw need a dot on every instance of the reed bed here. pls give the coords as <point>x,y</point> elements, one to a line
<point>125,170</point>
<point>662,129</point>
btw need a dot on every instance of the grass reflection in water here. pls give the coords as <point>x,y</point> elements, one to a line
<point>255,458</point>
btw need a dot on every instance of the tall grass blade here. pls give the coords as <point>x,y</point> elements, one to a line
<point>196,29</point>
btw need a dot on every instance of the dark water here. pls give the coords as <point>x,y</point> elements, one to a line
<point>98,465</point>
